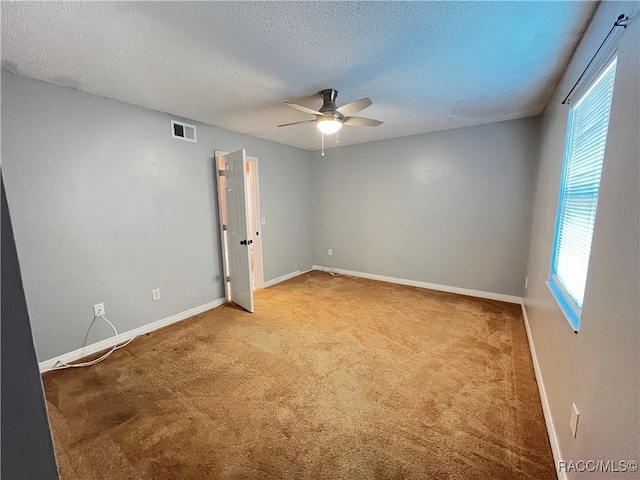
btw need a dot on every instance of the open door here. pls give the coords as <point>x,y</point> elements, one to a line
<point>237,229</point>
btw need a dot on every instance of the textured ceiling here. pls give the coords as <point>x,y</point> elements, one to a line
<point>426,65</point>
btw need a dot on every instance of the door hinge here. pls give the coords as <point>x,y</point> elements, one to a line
<point>221,173</point>
<point>228,279</point>
<point>224,227</point>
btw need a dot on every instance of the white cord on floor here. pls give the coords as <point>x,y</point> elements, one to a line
<point>335,274</point>
<point>102,357</point>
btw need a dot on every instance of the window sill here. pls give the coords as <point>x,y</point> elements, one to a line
<point>565,304</point>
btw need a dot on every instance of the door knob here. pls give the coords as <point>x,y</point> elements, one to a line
<point>249,242</point>
<point>243,242</point>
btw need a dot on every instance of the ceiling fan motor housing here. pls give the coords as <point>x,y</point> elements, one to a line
<point>329,106</point>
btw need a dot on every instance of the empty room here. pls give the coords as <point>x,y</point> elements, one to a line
<point>320,240</point>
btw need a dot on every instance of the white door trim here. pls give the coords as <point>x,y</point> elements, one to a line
<point>260,276</point>
<point>225,273</point>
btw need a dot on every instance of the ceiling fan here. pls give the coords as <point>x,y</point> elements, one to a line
<point>330,118</point>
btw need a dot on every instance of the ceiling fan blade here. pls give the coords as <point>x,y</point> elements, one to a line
<point>303,109</point>
<point>361,122</point>
<point>296,123</point>
<point>354,107</point>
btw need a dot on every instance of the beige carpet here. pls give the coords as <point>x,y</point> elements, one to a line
<point>331,378</point>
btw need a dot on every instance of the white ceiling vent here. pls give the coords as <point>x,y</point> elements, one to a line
<point>183,131</point>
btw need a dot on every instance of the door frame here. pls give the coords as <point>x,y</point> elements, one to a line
<point>255,210</point>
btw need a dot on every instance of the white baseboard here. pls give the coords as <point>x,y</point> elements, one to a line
<point>431,286</point>
<point>282,278</point>
<point>551,431</point>
<point>123,337</point>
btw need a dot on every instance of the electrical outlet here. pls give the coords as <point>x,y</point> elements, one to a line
<point>330,252</point>
<point>155,294</point>
<point>526,282</point>
<point>98,310</point>
<point>573,421</point>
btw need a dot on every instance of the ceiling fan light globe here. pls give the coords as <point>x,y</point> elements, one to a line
<point>329,125</point>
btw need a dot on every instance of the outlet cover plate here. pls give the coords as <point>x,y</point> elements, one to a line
<point>98,309</point>
<point>573,421</point>
<point>155,294</point>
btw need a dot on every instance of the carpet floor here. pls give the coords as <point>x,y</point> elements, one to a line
<point>331,378</point>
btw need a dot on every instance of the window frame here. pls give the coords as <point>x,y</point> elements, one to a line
<point>567,304</point>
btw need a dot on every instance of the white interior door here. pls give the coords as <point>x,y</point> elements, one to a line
<point>239,237</point>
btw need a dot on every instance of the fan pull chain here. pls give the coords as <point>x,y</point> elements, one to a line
<point>322,134</point>
<point>338,137</point>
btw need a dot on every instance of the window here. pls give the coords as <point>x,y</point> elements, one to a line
<point>581,171</point>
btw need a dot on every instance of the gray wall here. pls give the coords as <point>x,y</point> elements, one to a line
<point>450,207</point>
<point>27,449</point>
<point>106,206</point>
<point>598,368</point>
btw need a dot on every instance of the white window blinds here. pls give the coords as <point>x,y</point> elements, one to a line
<point>584,154</point>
